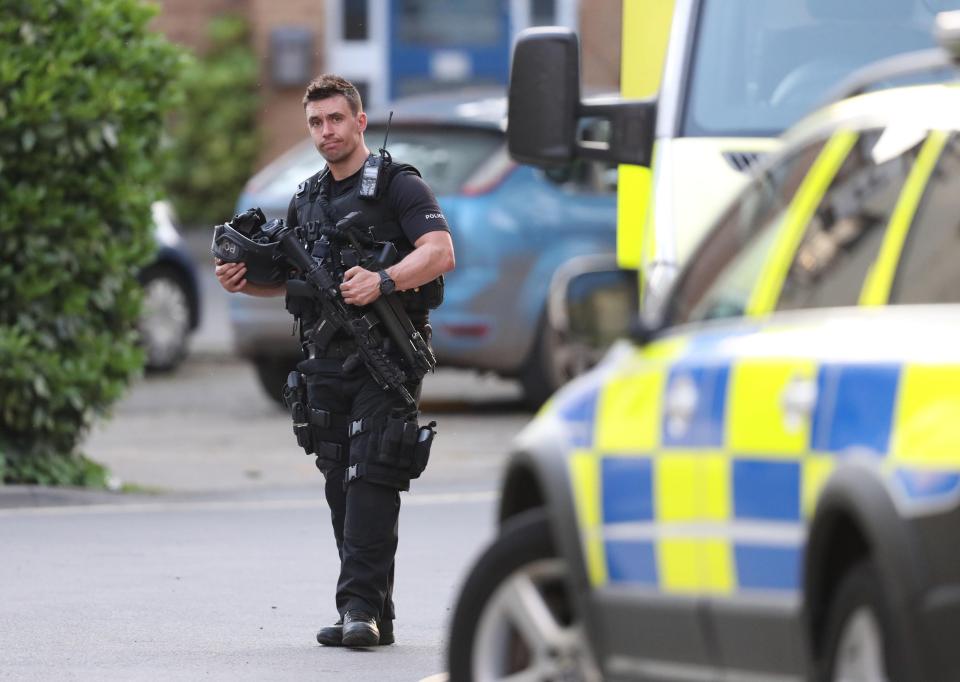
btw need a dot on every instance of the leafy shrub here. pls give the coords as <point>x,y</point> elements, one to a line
<point>215,138</point>
<point>84,87</point>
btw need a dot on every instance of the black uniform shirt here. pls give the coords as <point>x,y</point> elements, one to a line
<point>409,198</point>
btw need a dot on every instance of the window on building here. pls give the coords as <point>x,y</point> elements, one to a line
<point>356,20</point>
<point>543,12</point>
<point>363,88</point>
<point>444,23</point>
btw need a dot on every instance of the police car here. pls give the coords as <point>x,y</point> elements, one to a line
<point>764,482</point>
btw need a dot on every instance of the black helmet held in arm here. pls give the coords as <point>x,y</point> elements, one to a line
<point>251,240</point>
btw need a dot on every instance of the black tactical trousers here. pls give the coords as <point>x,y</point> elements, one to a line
<point>364,514</point>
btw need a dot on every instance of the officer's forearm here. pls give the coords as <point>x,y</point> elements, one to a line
<point>264,291</point>
<point>424,264</point>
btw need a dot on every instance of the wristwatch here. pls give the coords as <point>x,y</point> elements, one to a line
<point>387,285</point>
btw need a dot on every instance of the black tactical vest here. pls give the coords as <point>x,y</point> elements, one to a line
<point>385,227</point>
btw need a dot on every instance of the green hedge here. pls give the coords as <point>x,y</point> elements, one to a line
<point>215,134</point>
<point>84,87</point>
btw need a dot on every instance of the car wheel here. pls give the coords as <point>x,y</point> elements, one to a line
<point>272,374</point>
<point>552,363</point>
<point>164,323</point>
<point>514,619</point>
<point>858,645</point>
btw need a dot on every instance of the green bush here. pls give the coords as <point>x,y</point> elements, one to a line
<point>84,87</point>
<point>215,138</point>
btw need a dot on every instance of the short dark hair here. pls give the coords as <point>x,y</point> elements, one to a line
<point>328,85</point>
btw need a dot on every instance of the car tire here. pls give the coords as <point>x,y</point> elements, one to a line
<point>164,324</point>
<point>514,613</point>
<point>859,645</point>
<point>272,374</point>
<point>550,365</point>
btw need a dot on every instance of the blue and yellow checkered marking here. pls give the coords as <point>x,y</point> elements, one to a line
<point>721,506</point>
<point>855,408</point>
<point>919,484</point>
<point>705,428</point>
<point>627,489</point>
<point>766,490</point>
<point>579,416</point>
<point>632,562</point>
<point>765,567</point>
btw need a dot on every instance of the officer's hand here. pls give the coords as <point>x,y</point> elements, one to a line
<point>231,275</point>
<point>360,286</point>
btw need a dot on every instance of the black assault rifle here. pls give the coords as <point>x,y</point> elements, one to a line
<point>386,312</point>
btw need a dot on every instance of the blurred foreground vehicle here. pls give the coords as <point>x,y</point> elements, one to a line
<point>171,295</point>
<point>764,481</point>
<point>512,226</point>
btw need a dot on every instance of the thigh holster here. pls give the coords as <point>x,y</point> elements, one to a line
<point>389,450</point>
<point>319,432</point>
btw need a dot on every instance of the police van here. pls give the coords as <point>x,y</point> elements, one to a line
<point>707,86</point>
<point>764,481</point>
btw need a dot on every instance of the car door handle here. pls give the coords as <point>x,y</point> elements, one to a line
<point>680,404</point>
<point>798,399</point>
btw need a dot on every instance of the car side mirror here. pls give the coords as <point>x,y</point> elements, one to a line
<point>594,306</point>
<point>544,96</point>
<point>547,122</point>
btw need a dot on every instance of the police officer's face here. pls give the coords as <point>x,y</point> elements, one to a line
<point>336,131</point>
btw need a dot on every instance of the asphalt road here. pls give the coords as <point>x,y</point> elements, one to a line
<point>221,563</point>
<point>230,589</point>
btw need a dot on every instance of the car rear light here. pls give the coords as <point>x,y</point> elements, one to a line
<point>472,331</point>
<point>490,174</point>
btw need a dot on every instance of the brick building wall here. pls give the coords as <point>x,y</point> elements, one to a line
<point>281,115</point>
<point>185,21</point>
<point>600,43</point>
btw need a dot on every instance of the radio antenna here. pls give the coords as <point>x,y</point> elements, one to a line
<point>386,134</point>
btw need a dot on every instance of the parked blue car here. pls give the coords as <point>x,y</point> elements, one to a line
<point>513,227</point>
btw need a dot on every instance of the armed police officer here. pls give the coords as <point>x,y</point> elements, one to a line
<point>367,440</point>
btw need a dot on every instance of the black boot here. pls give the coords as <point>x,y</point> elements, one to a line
<point>360,630</point>
<point>332,635</point>
<point>386,632</point>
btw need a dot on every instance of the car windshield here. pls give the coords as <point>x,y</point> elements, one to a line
<point>445,156</point>
<point>760,65</point>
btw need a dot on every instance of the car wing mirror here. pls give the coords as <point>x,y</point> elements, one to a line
<point>547,121</point>
<point>593,303</point>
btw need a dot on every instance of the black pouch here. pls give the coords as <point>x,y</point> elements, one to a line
<point>319,432</point>
<point>421,449</point>
<point>428,296</point>
<point>300,306</point>
<point>397,442</point>
<point>327,433</point>
<point>294,389</point>
<point>295,398</point>
<point>433,293</point>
